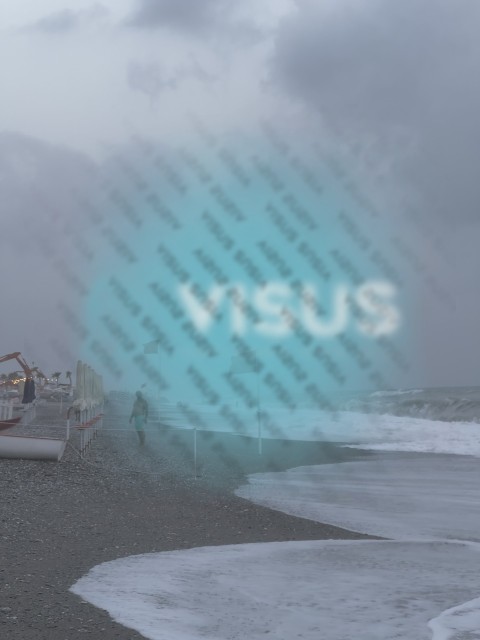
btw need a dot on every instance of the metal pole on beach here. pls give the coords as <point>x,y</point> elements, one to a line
<point>195,450</point>
<point>259,418</point>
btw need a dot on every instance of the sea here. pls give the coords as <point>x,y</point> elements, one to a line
<point>436,420</point>
<point>417,488</point>
<point>448,404</point>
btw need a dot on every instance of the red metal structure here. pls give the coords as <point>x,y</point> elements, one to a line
<point>29,389</point>
<point>19,358</point>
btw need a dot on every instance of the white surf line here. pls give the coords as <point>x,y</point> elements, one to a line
<point>370,590</point>
<point>405,498</point>
<point>333,589</point>
<point>463,619</point>
<point>401,497</point>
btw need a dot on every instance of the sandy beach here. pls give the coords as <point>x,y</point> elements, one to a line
<point>58,520</point>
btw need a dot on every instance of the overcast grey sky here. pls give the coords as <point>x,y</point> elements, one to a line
<point>394,84</point>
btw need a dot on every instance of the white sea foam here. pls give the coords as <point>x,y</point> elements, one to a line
<point>317,589</point>
<point>367,590</point>
<point>394,392</point>
<point>458,622</point>
<point>367,431</point>
<point>401,497</point>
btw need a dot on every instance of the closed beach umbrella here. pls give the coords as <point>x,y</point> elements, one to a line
<point>88,386</point>
<point>79,386</point>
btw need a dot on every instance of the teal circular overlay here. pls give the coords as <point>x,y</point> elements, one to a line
<point>236,276</point>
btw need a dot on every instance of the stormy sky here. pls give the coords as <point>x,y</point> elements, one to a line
<point>392,86</point>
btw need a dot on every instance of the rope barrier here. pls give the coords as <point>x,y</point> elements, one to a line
<point>88,431</point>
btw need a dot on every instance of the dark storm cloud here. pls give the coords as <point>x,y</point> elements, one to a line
<point>29,165</point>
<point>68,20</point>
<point>377,67</point>
<point>190,15</point>
<point>151,79</point>
<point>58,22</point>
<point>36,208</point>
<point>194,17</point>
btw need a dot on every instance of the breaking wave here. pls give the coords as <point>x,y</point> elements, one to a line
<point>460,404</point>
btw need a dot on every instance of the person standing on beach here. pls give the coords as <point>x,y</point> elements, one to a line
<point>139,415</point>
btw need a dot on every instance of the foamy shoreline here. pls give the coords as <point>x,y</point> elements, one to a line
<point>60,520</point>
